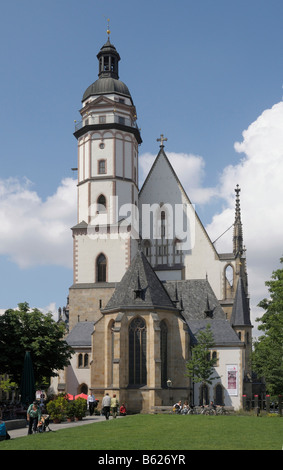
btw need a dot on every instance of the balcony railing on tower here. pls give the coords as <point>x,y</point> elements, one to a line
<point>105,119</point>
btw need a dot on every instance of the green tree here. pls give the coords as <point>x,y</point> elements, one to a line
<point>267,358</point>
<point>201,366</point>
<point>30,330</point>
<point>6,385</point>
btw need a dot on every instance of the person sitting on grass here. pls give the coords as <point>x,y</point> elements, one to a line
<point>177,407</point>
<point>123,410</point>
<point>185,408</point>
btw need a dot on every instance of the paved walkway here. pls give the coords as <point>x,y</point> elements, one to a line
<point>55,427</point>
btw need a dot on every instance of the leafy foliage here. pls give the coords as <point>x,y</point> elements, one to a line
<point>30,330</point>
<point>201,366</point>
<point>268,349</point>
<point>57,408</point>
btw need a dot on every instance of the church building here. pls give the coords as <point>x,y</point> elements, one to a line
<point>146,276</point>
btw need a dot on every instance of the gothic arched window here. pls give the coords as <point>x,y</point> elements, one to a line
<point>101,204</point>
<point>137,352</point>
<point>101,268</point>
<point>163,352</point>
<point>80,360</point>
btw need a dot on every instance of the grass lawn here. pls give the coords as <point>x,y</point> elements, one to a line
<point>161,432</point>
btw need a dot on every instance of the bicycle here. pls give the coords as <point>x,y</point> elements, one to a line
<point>222,410</point>
<point>206,410</point>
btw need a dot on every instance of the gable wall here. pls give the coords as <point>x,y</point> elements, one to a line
<point>201,259</point>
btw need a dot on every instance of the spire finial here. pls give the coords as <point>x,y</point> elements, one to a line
<point>108,30</point>
<point>238,210</point>
<point>238,234</point>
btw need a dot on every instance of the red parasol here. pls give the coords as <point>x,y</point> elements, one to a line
<point>69,396</point>
<point>81,395</point>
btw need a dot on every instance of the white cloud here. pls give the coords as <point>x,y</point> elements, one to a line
<point>51,308</point>
<point>36,232</point>
<point>259,174</point>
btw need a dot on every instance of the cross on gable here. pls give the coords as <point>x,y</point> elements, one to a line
<point>161,140</point>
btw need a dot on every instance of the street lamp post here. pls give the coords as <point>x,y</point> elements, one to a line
<point>169,385</point>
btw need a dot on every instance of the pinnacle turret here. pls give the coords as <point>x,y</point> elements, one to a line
<point>238,231</point>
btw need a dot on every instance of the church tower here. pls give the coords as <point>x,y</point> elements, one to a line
<point>108,140</point>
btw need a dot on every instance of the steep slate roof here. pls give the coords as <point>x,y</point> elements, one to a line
<point>80,335</point>
<point>199,307</point>
<point>240,312</point>
<point>140,288</point>
<point>196,296</point>
<point>222,331</point>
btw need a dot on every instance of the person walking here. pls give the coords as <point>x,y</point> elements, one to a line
<point>106,402</point>
<point>91,401</point>
<point>114,406</point>
<point>33,416</point>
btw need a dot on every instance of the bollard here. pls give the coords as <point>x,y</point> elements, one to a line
<point>280,403</point>
<point>244,402</point>
<point>257,410</point>
<point>267,403</point>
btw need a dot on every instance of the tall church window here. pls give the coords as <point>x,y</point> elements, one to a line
<point>80,360</point>
<point>163,224</point>
<point>229,281</point>
<point>163,353</point>
<point>102,167</point>
<point>162,248</point>
<point>137,352</point>
<point>101,268</point>
<point>229,274</point>
<point>83,360</point>
<point>147,248</point>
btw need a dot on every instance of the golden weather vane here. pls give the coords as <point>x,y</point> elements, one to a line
<point>108,30</point>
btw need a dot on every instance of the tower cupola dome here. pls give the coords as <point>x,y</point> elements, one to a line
<point>108,74</point>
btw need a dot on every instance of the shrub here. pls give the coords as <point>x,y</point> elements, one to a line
<point>57,408</point>
<point>71,409</point>
<point>80,407</point>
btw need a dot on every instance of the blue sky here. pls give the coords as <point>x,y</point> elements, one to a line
<point>200,72</point>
